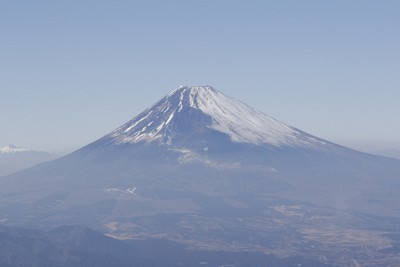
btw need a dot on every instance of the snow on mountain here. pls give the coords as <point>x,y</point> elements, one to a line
<point>11,149</point>
<point>13,158</point>
<point>207,108</point>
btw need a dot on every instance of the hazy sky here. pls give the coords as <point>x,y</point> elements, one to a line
<point>72,71</point>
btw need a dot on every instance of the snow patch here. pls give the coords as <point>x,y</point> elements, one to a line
<point>170,118</point>
<point>11,149</point>
<point>139,121</point>
<point>122,192</point>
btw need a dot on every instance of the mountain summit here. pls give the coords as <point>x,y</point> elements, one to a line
<point>11,149</point>
<point>191,111</point>
<point>14,158</point>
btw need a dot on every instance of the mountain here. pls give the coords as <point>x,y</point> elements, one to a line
<point>13,149</point>
<point>13,158</point>
<point>393,153</point>
<point>205,170</point>
<point>188,110</point>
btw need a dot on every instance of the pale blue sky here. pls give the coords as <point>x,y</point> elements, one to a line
<point>72,71</point>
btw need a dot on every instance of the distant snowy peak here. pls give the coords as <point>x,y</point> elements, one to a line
<point>199,107</point>
<point>11,149</point>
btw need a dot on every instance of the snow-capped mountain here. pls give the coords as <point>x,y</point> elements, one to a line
<point>13,158</point>
<point>201,124</point>
<point>10,149</point>
<point>189,109</point>
<point>206,170</point>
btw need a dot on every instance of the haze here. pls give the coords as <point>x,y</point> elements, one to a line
<point>73,71</point>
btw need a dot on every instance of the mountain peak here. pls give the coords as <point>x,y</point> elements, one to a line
<point>194,89</point>
<point>188,95</point>
<point>189,110</point>
<point>12,149</point>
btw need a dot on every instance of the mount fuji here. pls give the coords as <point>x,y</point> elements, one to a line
<point>188,110</point>
<point>212,173</point>
<point>200,124</point>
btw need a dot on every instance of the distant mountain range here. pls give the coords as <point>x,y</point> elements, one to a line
<point>13,158</point>
<point>211,173</point>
